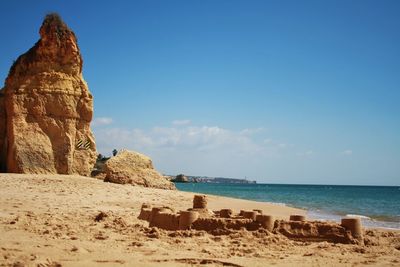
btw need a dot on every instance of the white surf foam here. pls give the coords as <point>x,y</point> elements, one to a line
<point>277,203</point>
<point>366,221</point>
<point>358,216</point>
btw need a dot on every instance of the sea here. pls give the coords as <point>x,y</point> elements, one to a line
<point>377,206</point>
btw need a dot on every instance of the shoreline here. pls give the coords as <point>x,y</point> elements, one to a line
<point>366,221</point>
<point>217,202</point>
<point>314,213</point>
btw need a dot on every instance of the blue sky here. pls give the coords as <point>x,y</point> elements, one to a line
<point>276,91</point>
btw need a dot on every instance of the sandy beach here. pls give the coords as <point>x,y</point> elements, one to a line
<point>49,220</point>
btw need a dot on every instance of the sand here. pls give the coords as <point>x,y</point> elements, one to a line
<point>50,220</point>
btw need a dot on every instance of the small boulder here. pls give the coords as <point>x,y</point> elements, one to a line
<point>129,167</point>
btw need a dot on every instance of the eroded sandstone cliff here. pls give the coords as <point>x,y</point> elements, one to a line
<point>46,108</point>
<point>129,167</point>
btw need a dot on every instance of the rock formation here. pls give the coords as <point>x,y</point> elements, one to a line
<point>46,108</point>
<point>180,178</point>
<point>129,167</point>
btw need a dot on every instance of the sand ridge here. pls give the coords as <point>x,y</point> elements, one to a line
<point>53,220</point>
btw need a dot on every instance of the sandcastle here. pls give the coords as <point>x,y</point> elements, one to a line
<point>226,221</point>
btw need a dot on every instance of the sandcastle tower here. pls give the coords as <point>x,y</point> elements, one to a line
<point>200,202</point>
<point>354,226</point>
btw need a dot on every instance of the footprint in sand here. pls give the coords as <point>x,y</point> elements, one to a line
<point>79,250</point>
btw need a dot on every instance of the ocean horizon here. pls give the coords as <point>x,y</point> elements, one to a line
<point>377,206</point>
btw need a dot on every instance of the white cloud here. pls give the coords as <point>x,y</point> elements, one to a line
<point>347,152</point>
<point>181,122</point>
<point>309,152</point>
<point>267,141</point>
<point>250,131</point>
<point>306,153</point>
<point>195,149</point>
<point>101,121</point>
<point>196,139</point>
<point>191,137</point>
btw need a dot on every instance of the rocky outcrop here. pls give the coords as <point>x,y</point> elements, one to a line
<point>180,178</point>
<point>46,108</point>
<point>3,147</point>
<point>129,167</point>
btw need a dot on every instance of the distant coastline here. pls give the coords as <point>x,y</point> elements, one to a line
<point>213,180</point>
